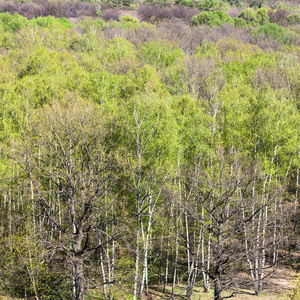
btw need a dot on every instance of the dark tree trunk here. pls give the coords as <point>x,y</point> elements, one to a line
<point>79,278</point>
<point>218,288</point>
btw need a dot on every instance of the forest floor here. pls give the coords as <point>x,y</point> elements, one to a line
<point>277,287</point>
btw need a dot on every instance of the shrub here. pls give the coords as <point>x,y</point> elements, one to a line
<point>75,9</point>
<point>239,22</point>
<point>118,3</point>
<point>65,22</point>
<point>278,16</point>
<point>152,13</point>
<point>256,3</point>
<point>262,16</point>
<point>12,23</point>
<point>10,7</point>
<point>160,54</point>
<point>111,14</point>
<point>31,10</point>
<point>46,22</point>
<point>90,23</point>
<point>249,16</point>
<point>182,12</point>
<point>215,18</point>
<point>236,3</point>
<point>189,3</point>
<point>280,34</point>
<point>157,13</point>
<point>293,19</point>
<point>129,18</point>
<point>126,22</point>
<point>208,4</point>
<point>223,16</point>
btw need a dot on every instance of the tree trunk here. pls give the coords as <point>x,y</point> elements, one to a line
<point>217,286</point>
<point>78,278</point>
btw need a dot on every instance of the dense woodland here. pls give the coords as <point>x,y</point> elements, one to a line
<point>148,144</point>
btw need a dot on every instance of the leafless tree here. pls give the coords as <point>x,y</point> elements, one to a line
<point>64,158</point>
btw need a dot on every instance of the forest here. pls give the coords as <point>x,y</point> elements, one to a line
<point>149,148</point>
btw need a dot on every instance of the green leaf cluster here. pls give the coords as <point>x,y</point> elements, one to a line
<point>215,18</point>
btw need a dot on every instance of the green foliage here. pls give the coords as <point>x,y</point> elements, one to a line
<point>118,49</point>
<point>129,18</point>
<point>46,22</point>
<point>208,4</point>
<point>12,23</point>
<point>236,3</point>
<point>128,21</point>
<point>65,22</point>
<point>293,19</point>
<point>189,3</point>
<point>166,109</point>
<point>160,54</point>
<point>257,3</point>
<point>295,293</point>
<point>215,18</point>
<point>249,16</point>
<point>239,22</point>
<point>222,16</point>
<point>6,37</point>
<point>119,3</point>
<point>91,24</point>
<point>280,34</point>
<point>260,17</point>
<point>50,22</point>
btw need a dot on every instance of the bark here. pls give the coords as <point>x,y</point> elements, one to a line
<point>78,278</point>
<point>217,285</point>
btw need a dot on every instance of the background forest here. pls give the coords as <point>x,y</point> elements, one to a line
<point>148,145</point>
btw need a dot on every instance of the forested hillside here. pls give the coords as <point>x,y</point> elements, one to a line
<point>148,145</point>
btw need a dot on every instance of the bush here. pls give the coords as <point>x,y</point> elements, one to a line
<point>111,14</point>
<point>12,23</point>
<point>157,13</point>
<point>280,34</point>
<point>256,3</point>
<point>215,18</point>
<point>46,22</point>
<point>278,16</point>
<point>223,16</point>
<point>75,9</point>
<point>182,13</point>
<point>260,17</point>
<point>10,7</point>
<point>208,5</point>
<point>31,10</point>
<point>239,22</point>
<point>129,18</point>
<point>152,13</point>
<point>160,54</point>
<point>249,16</point>
<point>90,23</point>
<point>58,9</point>
<point>293,19</point>
<point>118,3</point>
<point>189,3</point>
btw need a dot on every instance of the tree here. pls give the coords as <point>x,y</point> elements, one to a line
<point>64,158</point>
<point>216,187</point>
<point>150,139</point>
